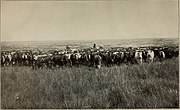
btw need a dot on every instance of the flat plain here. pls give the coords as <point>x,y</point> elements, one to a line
<point>147,85</point>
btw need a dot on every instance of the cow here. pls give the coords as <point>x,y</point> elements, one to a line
<point>107,58</point>
<point>84,59</point>
<point>116,57</point>
<point>58,60</point>
<point>150,55</point>
<point>29,59</point>
<point>121,57</point>
<point>8,58</point>
<point>96,60</point>
<point>129,57</point>
<point>41,61</point>
<point>2,60</point>
<point>138,57</point>
<point>74,59</point>
<point>144,55</point>
<point>161,55</point>
<point>156,53</point>
<point>67,59</point>
<point>169,52</point>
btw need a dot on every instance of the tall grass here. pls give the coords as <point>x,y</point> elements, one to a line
<point>154,85</point>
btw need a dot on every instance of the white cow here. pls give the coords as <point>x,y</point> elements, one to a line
<point>150,55</point>
<point>138,56</point>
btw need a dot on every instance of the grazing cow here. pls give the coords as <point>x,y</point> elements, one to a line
<point>150,55</point>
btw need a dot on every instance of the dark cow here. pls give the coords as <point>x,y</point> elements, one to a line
<point>75,58</point>
<point>58,60</point>
<point>2,60</point>
<point>95,60</point>
<point>144,55</point>
<point>107,58</point>
<point>156,53</point>
<point>129,57</point>
<point>116,57</point>
<point>84,59</point>
<point>30,59</point>
<point>121,57</point>
<point>170,52</point>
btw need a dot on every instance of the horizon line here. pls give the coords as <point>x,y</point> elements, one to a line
<point>90,39</point>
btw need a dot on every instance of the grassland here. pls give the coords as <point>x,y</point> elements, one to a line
<point>154,85</point>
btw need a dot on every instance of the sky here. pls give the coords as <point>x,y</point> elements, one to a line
<point>88,20</point>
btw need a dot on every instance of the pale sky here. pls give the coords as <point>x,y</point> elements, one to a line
<point>69,20</point>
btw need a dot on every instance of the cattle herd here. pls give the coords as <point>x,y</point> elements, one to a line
<point>91,57</point>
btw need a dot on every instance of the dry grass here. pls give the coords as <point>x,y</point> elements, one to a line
<point>153,85</point>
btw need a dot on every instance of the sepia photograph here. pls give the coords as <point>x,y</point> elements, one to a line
<point>92,54</point>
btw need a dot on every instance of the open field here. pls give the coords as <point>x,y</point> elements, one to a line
<point>148,85</point>
<point>154,85</point>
